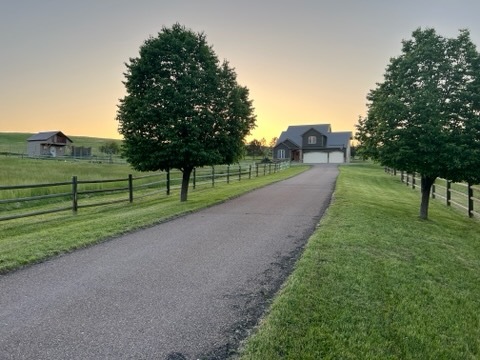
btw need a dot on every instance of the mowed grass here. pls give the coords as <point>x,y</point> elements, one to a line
<point>375,282</point>
<point>29,240</point>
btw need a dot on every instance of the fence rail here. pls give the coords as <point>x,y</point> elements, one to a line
<point>91,193</point>
<point>463,196</point>
<point>95,158</point>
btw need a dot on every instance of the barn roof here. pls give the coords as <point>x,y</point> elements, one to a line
<point>45,135</point>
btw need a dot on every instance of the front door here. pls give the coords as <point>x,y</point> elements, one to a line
<point>295,155</point>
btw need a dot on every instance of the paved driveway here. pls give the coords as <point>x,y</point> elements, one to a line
<point>185,289</point>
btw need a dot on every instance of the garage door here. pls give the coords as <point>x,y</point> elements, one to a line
<point>336,157</point>
<point>315,158</point>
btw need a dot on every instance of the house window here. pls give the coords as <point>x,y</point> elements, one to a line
<point>312,140</point>
<point>281,154</point>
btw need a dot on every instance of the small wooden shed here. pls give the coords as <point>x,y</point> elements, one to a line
<point>48,143</point>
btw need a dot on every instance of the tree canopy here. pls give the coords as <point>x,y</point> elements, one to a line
<point>425,116</point>
<point>183,108</point>
<point>254,148</point>
<point>110,147</point>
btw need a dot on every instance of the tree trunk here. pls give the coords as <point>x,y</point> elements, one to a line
<point>185,180</point>
<point>427,183</point>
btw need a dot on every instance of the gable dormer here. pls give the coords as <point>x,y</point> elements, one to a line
<point>290,144</point>
<point>313,139</point>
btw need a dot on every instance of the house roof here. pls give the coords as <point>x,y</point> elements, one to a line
<point>339,139</point>
<point>334,139</point>
<point>45,135</point>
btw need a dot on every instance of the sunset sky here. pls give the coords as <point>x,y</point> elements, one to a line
<point>305,62</point>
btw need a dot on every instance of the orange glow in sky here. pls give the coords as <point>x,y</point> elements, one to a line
<point>304,62</point>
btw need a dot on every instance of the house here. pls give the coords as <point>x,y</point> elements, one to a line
<point>313,144</point>
<point>49,143</point>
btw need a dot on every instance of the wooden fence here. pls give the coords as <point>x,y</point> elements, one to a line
<point>103,158</point>
<point>463,196</point>
<point>75,194</point>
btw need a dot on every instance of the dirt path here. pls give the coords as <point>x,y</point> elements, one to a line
<point>185,289</point>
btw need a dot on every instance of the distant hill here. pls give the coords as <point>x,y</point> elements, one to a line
<point>17,142</point>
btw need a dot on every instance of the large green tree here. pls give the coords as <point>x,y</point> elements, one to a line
<point>183,108</point>
<point>254,148</point>
<point>425,116</point>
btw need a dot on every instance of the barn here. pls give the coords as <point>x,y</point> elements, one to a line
<point>48,143</point>
<point>313,144</point>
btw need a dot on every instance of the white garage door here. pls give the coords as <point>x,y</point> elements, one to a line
<point>336,157</point>
<point>315,158</point>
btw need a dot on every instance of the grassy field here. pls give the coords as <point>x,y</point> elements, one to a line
<point>17,171</point>
<point>375,282</point>
<point>30,240</point>
<point>17,142</point>
<point>27,171</point>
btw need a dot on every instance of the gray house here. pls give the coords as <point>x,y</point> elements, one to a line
<point>49,143</point>
<point>313,144</point>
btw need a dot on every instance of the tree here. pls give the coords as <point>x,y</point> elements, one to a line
<point>110,147</point>
<point>425,116</point>
<point>183,109</point>
<point>271,145</point>
<point>353,151</point>
<point>273,142</point>
<point>254,148</point>
<point>263,146</point>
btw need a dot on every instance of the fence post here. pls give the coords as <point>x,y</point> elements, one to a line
<point>239,173</point>
<point>213,176</point>
<point>264,169</point>
<point>228,174</point>
<point>401,176</point>
<point>249,172</point>
<point>269,168</point>
<point>74,194</point>
<point>470,200</point>
<point>130,187</point>
<point>433,191</point>
<point>394,172</point>
<point>256,166</point>
<point>407,180</point>
<point>168,182</point>
<point>448,195</point>
<point>413,180</point>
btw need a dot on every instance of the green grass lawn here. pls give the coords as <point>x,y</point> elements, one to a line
<point>30,240</point>
<point>375,282</point>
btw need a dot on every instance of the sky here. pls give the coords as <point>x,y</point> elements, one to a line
<point>304,61</point>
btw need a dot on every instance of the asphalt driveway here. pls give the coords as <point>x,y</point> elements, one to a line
<point>189,288</point>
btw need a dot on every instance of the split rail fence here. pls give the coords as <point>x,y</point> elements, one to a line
<point>19,201</point>
<point>463,196</point>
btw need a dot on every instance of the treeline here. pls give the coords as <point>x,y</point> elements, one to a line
<point>254,148</point>
<point>260,148</point>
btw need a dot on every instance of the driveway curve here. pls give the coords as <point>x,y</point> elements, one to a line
<point>189,288</point>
